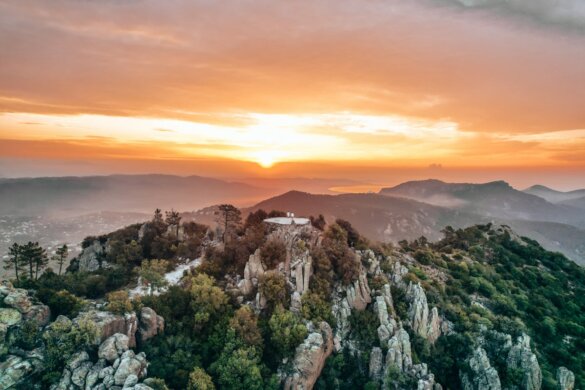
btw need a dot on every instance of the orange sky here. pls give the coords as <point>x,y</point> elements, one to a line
<point>124,86</point>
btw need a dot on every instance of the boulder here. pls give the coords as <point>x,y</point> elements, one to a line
<point>92,257</point>
<point>481,375</point>
<point>150,324</point>
<point>521,357</point>
<point>109,324</point>
<point>565,379</point>
<point>9,316</point>
<point>130,364</point>
<point>14,370</point>
<point>310,359</point>
<point>113,347</point>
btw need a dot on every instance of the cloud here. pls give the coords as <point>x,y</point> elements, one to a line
<point>214,62</point>
<point>569,14</point>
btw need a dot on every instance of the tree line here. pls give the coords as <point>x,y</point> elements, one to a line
<point>30,259</point>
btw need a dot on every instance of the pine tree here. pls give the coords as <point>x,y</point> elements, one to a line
<point>14,259</point>
<point>61,256</point>
<point>229,217</point>
<point>35,257</point>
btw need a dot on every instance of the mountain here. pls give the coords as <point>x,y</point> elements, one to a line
<point>493,200</point>
<point>377,217</point>
<point>294,307</point>
<point>62,196</point>
<point>554,196</point>
<point>392,218</point>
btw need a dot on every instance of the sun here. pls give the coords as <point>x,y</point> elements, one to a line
<point>266,158</point>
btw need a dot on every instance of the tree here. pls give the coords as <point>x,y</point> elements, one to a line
<point>229,218</point>
<point>319,222</point>
<point>35,257</point>
<point>61,256</point>
<point>173,218</point>
<point>238,366</point>
<point>335,245</point>
<point>158,217</point>
<point>200,380</point>
<point>245,324</point>
<point>272,253</point>
<point>207,299</point>
<point>14,259</point>
<point>287,331</point>
<point>119,302</point>
<point>272,287</point>
<point>152,273</point>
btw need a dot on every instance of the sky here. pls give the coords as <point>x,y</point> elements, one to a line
<point>371,90</point>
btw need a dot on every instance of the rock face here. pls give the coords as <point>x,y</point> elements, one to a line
<point>150,324</point>
<point>481,375</point>
<point>376,364</point>
<point>387,324</point>
<point>116,366</point>
<point>356,296</point>
<point>565,379</point>
<point>252,272</point>
<point>310,359</point>
<point>358,293</point>
<point>399,353</point>
<point>521,357</point>
<point>398,271</point>
<point>424,324</point>
<point>20,300</point>
<point>301,270</point>
<point>92,257</point>
<point>15,369</point>
<point>144,326</point>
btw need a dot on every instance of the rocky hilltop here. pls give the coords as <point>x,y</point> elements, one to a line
<point>298,307</point>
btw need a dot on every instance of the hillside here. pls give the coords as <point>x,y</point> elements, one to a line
<point>393,218</point>
<point>296,307</point>
<point>493,200</point>
<point>554,196</point>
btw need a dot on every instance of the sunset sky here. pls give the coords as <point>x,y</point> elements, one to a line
<point>290,87</point>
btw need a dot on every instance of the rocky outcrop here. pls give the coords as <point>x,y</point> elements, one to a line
<point>310,359</point>
<point>301,270</point>
<point>387,323</point>
<point>399,353</point>
<point>368,258</point>
<point>565,379</point>
<point>376,364</point>
<point>480,375</point>
<point>397,273</point>
<point>20,300</point>
<point>252,273</point>
<point>143,326</point>
<point>175,232</point>
<point>92,257</point>
<point>15,369</point>
<point>117,367</point>
<point>355,296</point>
<point>426,325</point>
<point>109,324</point>
<point>522,358</point>
<point>150,324</point>
<point>358,293</point>
<point>17,306</point>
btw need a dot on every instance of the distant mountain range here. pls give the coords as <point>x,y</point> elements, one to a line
<point>69,196</point>
<point>571,198</point>
<point>418,208</point>
<point>407,211</point>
